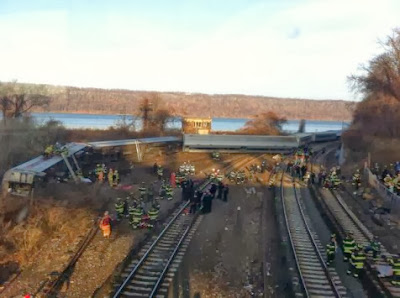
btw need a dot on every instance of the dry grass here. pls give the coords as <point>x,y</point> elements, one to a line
<point>43,225</point>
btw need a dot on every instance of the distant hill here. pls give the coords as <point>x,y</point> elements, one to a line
<point>103,101</point>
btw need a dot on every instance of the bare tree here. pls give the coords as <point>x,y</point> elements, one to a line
<point>382,73</point>
<point>18,99</point>
<point>264,124</point>
<point>154,113</point>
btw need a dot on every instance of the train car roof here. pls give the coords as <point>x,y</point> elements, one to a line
<point>127,142</point>
<point>40,164</point>
<point>237,141</point>
<point>302,134</point>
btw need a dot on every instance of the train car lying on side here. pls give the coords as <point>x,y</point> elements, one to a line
<point>22,179</point>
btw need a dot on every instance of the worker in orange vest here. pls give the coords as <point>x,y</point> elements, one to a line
<point>105,225</point>
<point>173,179</point>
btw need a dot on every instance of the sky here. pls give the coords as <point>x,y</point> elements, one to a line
<point>282,48</point>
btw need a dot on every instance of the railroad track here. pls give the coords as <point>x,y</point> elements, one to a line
<point>150,274</point>
<point>349,223</point>
<point>316,278</point>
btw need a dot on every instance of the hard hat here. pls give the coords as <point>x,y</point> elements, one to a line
<point>116,171</point>
<point>103,165</point>
<point>106,213</point>
<point>119,199</point>
<point>98,165</point>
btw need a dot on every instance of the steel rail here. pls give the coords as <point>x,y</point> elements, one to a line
<point>170,260</point>
<point>321,259</point>
<point>303,283</point>
<point>335,291</point>
<point>144,257</point>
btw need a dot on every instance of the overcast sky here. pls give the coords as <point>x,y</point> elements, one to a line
<point>285,48</point>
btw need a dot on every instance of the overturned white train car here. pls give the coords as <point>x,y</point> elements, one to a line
<point>22,179</point>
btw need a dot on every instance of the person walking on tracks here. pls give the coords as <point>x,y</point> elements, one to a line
<point>349,245</point>
<point>331,250</point>
<point>105,225</point>
<point>357,260</point>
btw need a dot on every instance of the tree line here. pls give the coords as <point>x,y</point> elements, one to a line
<point>376,122</point>
<point>103,101</point>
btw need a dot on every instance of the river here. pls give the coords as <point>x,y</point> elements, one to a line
<point>225,124</point>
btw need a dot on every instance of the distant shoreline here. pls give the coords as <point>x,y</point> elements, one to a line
<point>189,116</point>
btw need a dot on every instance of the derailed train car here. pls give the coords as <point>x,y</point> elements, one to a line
<point>239,143</point>
<point>22,179</point>
<point>255,143</point>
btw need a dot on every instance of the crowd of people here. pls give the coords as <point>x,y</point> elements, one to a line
<point>356,255</point>
<point>389,175</point>
<point>103,174</point>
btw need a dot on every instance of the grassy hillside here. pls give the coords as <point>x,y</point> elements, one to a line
<point>103,101</point>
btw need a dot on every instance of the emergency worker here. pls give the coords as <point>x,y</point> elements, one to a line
<point>331,251</point>
<point>116,178</point>
<point>48,151</point>
<point>105,225</point>
<point>136,216</point>
<point>375,247</point>
<point>160,172</point>
<point>110,177</point>
<point>356,265</point>
<point>153,213</point>
<point>172,179</point>
<point>395,263</point>
<point>169,192</point>
<point>143,190</point>
<point>349,245</point>
<point>356,181</point>
<point>119,208</point>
